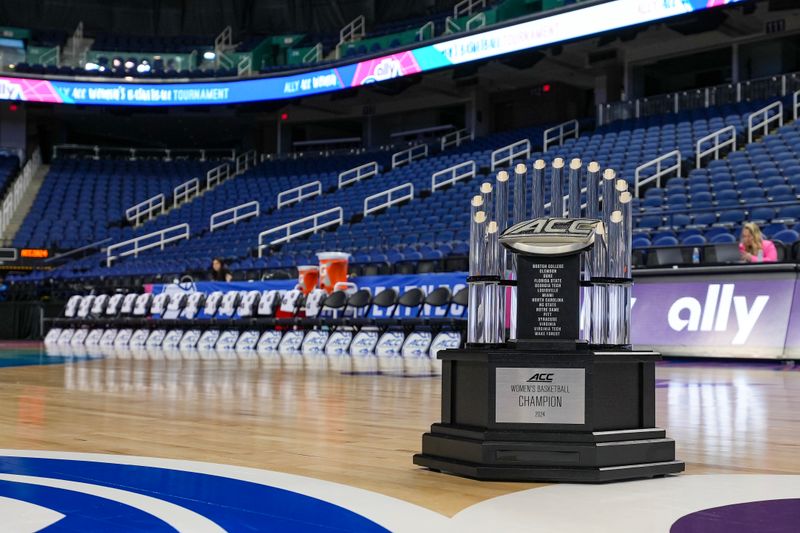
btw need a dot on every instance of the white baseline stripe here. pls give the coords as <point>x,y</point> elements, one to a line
<point>179,518</point>
<point>392,513</point>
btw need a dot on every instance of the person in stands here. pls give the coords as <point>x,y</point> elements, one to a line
<point>219,272</point>
<point>754,247</point>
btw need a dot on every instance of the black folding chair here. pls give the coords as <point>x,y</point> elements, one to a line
<point>385,300</point>
<point>413,300</point>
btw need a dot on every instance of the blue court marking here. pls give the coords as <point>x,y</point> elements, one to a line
<point>10,358</point>
<point>233,504</point>
<point>83,512</point>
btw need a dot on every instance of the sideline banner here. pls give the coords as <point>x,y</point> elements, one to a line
<point>455,281</point>
<point>717,315</point>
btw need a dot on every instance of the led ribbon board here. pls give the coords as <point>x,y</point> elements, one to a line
<point>560,27</point>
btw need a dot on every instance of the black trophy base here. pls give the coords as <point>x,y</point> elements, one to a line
<point>592,422</point>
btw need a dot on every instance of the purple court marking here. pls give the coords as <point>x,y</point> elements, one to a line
<point>664,383</point>
<point>768,516</point>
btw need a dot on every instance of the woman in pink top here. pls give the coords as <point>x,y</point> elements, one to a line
<point>754,248</point>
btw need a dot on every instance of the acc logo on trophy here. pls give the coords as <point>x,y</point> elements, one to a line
<point>552,236</point>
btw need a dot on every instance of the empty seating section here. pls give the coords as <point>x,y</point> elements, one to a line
<point>625,145</point>
<point>760,182</point>
<point>83,200</point>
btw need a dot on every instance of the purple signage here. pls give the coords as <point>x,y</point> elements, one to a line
<point>714,318</point>
<point>793,333</point>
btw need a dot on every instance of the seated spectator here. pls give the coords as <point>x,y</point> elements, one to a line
<point>754,248</point>
<point>219,272</point>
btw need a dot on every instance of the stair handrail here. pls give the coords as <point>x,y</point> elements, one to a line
<point>352,31</point>
<point>367,170</point>
<point>314,54</point>
<point>660,172</point>
<point>239,212</point>
<point>467,8</point>
<point>562,131</point>
<point>391,198</point>
<point>299,193</point>
<point>455,138</point>
<point>185,191</point>
<point>513,151</point>
<point>217,175</point>
<point>716,145</point>
<point>246,161</point>
<point>405,157</point>
<point>182,233</point>
<point>289,234</point>
<point>425,27</point>
<point>455,173</point>
<point>475,22</point>
<point>147,209</point>
<point>754,127</point>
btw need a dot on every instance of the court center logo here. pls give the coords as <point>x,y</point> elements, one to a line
<point>63,491</point>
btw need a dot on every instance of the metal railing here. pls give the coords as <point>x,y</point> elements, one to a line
<point>727,93</point>
<point>391,197</point>
<point>508,154</point>
<point>238,213</point>
<point>562,132</point>
<point>795,104</point>
<point>314,55</point>
<point>354,30</point>
<point>217,175</point>
<point>168,154</point>
<point>455,138</point>
<point>223,43</point>
<point>245,66</point>
<point>297,194</point>
<point>478,21</point>
<point>717,144</point>
<point>144,211</point>
<point>51,57</point>
<point>321,220</point>
<point>770,113</point>
<point>461,171</point>
<point>427,27</point>
<point>466,8</point>
<point>405,157</point>
<point>451,26</point>
<point>17,190</point>
<point>359,173</point>
<point>164,236</point>
<point>660,172</point>
<point>75,251</point>
<point>246,161</point>
<point>185,192</point>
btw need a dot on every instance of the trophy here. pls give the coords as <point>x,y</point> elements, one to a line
<point>551,390</point>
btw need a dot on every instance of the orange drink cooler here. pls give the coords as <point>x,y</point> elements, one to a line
<point>332,269</point>
<point>307,278</point>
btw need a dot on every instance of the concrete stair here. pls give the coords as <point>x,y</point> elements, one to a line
<point>25,203</point>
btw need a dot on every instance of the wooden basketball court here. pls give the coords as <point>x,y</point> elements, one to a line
<point>353,421</point>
